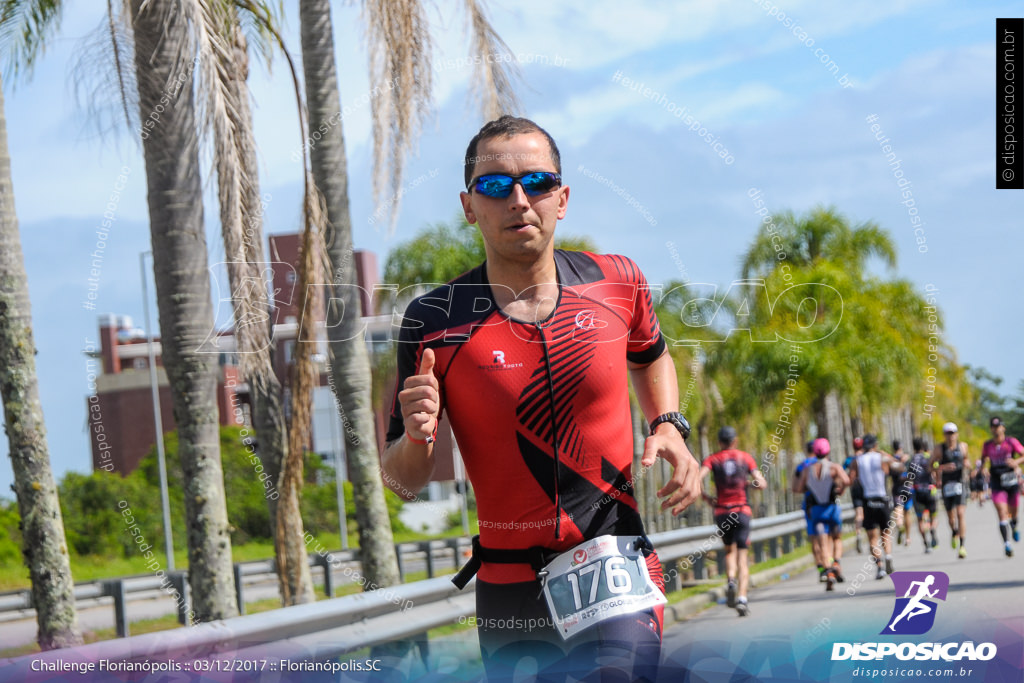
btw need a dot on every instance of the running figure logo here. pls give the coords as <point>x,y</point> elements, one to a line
<point>914,612</point>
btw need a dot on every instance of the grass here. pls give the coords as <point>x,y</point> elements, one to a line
<point>137,628</point>
<point>14,575</point>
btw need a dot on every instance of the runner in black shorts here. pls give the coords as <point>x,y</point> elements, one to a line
<point>871,468</point>
<point>979,487</point>
<point>902,495</point>
<point>919,472</point>
<point>732,469</point>
<point>857,495</point>
<point>950,462</point>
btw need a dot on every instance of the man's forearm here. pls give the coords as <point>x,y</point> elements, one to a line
<point>407,466</point>
<point>656,386</point>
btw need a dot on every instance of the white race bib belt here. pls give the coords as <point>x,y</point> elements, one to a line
<point>598,579</point>
<point>952,488</point>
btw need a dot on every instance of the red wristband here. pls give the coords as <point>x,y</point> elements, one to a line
<point>422,442</point>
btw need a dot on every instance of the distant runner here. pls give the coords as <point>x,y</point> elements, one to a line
<point>1004,475</point>
<point>731,469</point>
<point>902,495</point>
<point>925,493</point>
<point>857,495</point>
<point>824,481</point>
<point>806,504</point>
<point>950,461</point>
<point>870,469</point>
<point>979,487</point>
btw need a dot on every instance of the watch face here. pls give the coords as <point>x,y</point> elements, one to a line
<point>676,420</point>
<point>680,423</point>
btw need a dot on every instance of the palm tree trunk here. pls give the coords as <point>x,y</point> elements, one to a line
<point>242,227</point>
<point>44,546</point>
<point>829,418</point>
<point>170,148</point>
<point>350,364</point>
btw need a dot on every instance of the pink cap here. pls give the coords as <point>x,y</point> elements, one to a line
<point>821,447</point>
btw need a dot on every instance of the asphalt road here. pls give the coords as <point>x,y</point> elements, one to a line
<point>794,624</point>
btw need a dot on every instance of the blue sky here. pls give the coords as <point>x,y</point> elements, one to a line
<point>924,69</point>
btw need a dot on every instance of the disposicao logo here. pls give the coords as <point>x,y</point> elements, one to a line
<point>913,615</point>
<point>914,612</point>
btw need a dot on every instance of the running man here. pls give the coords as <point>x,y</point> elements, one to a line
<point>915,606</point>
<point>1004,475</point>
<point>824,482</point>
<point>732,469</point>
<point>902,495</point>
<point>856,495</point>
<point>979,485</point>
<point>528,355</point>
<point>870,469</point>
<point>950,461</point>
<point>925,494</point>
<point>806,504</point>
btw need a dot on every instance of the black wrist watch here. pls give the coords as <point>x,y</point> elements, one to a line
<point>677,420</point>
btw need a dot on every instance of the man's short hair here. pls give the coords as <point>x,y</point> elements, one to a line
<point>920,445</point>
<point>507,126</point>
<point>726,435</point>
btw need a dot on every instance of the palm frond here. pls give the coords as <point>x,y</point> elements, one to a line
<point>493,78</point>
<point>25,26</point>
<point>102,75</point>
<point>121,60</point>
<point>398,41</point>
<point>222,101</point>
<point>260,21</point>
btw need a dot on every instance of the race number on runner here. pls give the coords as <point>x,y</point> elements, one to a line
<point>598,579</point>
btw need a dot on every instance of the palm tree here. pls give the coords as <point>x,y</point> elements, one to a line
<point>822,234</point>
<point>24,28</point>
<point>44,545</point>
<point>163,69</point>
<point>827,250</point>
<point>226,95</point>
<point>349,360</point>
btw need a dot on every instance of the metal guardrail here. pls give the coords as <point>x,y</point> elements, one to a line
<point>121,589</point>
<point>331,628</point>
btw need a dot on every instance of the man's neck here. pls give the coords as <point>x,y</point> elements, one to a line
<point>524,291</point>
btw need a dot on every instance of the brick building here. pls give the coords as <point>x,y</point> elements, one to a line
<point>120,409</point>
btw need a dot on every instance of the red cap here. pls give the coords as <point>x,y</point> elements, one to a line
<point>858,442</point>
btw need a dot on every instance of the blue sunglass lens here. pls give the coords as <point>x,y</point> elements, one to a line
<point>536,183</point>
<point>500,186</point>
<point>495,185</point>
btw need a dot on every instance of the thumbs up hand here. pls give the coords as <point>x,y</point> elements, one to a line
<point>421,401</point>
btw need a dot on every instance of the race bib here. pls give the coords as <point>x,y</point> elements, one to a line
<point>952,488</point>
<point>1008,480</point>
<point>877,503</point>
<point>598,579</point>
